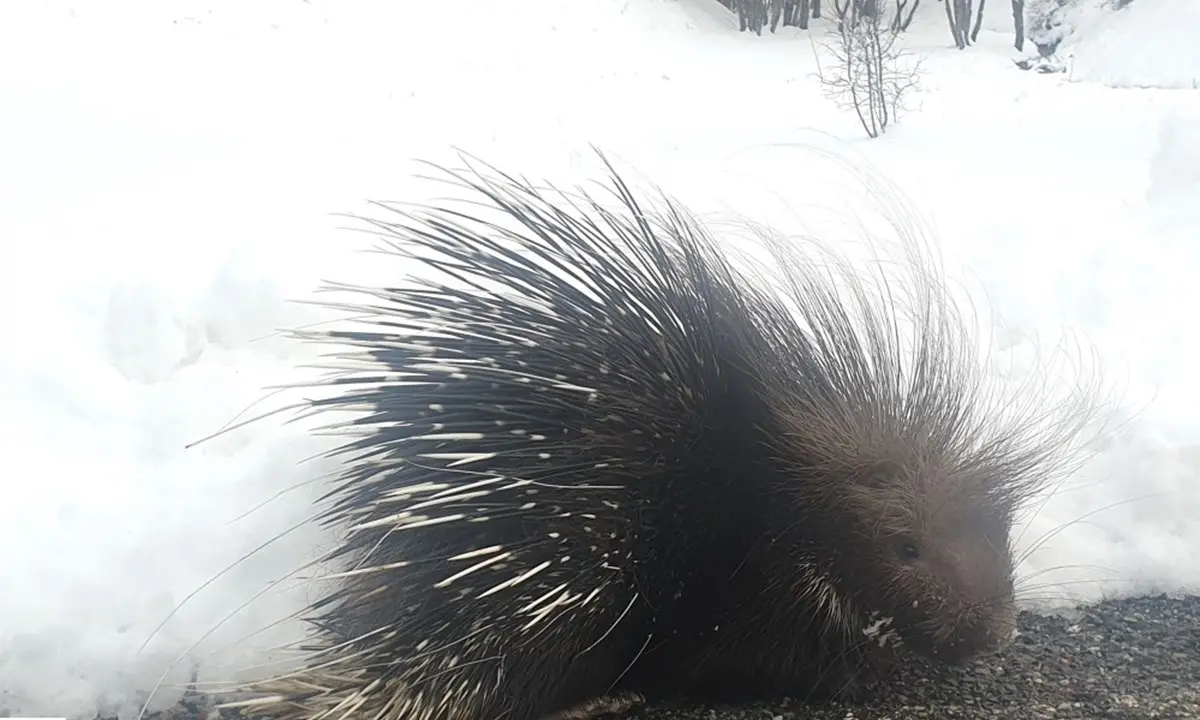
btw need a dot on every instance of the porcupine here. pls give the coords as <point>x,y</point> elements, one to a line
<point>601,465</point>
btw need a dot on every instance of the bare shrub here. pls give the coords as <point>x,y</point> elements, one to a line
<point>870,72</point>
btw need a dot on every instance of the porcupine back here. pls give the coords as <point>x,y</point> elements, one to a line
<point>596,458</point>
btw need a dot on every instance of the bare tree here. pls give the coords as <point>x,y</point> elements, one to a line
<point>870,73</point>
<point>978,21</point>
<point>900,20</point>
<point>754,15</point>
<point>1018,10</point>
<point>958,13</point>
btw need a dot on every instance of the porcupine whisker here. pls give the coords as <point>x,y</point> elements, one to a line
<point>1021,583</point>
<point>1026,595</point>
<point>1052,533</point>
<point>1029,576</point>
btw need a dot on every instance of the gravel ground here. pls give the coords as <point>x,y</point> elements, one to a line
<point>1118,660</point>
<point>1132,659</point>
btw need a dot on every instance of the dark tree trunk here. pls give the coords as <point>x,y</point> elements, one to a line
<point>901,21</point>
<point>958,15</point>
<point>1018,11</point>
<point>978,21</point>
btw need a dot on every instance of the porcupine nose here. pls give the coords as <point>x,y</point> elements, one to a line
<point>986,630</point>
<point>1002,627</point>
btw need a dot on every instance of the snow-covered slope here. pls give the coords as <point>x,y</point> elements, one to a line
<point>1143,45</point>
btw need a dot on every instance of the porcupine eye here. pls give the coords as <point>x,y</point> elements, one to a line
<point>880,475</point>
<point>909,551</point>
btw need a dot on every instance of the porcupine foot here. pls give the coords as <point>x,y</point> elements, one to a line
<point>613,704</point>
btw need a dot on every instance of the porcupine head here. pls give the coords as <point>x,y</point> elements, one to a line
<point>899,467</point>
<point>907,518</point>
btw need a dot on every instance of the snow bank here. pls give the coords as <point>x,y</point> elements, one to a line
<point>1148,44</point>
<point>1175,166</point>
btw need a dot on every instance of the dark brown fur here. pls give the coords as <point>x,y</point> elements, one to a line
<point>727,483</point>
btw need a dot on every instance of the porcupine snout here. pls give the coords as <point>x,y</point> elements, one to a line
<point>986,628</point>
<point>974,613</point>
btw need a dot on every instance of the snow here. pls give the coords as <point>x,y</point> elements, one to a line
<point>1113,49</point>
<point>170,174</point>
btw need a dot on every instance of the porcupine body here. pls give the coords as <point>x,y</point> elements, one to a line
<point>599,463</point>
